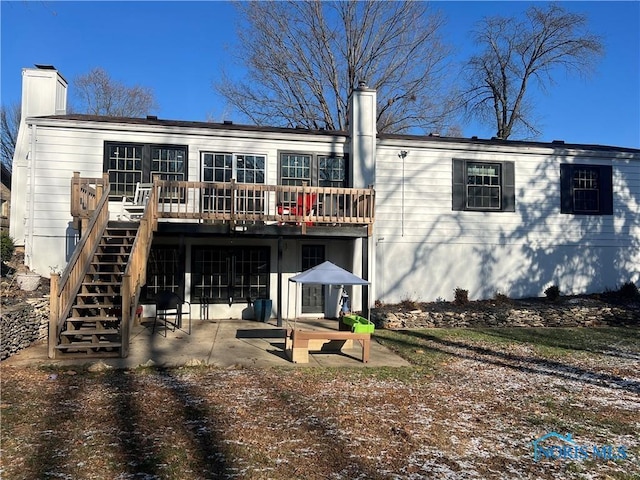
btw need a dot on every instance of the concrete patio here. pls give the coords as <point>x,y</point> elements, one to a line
<point>218,342</point>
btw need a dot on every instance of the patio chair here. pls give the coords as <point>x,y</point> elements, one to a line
<point>170,309</point>
<point>304,205</point>
<point>133,208</point>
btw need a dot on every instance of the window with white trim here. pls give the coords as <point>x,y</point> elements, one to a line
<point>483,186</point>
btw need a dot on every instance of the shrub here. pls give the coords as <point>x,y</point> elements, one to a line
<point>552,293</point>
<point>629,291</point>
<point>409,304</point>
<point>461,297</point>
<point>7,247</point>
<point>501,298</point>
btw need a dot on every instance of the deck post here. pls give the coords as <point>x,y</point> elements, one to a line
<point>54,311</point>
<point>126,313</point>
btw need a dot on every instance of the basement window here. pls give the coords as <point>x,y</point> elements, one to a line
<point>221,274</point>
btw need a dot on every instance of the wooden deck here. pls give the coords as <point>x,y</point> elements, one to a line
<point>235,203</point>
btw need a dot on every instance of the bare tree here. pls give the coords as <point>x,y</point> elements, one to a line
<point>99,94</point>
<point>304,58</point>
<point>516,53</point>
<point>10,124</point>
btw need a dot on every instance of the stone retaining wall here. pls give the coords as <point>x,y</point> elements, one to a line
<point>572,313</point>
<point>23,324</point>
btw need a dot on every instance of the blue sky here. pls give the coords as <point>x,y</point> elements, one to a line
<point>179,48</point>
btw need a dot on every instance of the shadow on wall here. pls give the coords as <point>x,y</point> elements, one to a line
<point>523,254</point>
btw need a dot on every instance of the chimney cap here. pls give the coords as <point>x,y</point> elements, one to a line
<point>42,66</point>
<point>152,117</point>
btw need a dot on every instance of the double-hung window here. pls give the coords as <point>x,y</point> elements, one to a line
<point>313,170</point>
<point>246,169</point>
<point>586,189</point>
<point>130,163</point>
<point>319,170</point>
<point>483,186</point>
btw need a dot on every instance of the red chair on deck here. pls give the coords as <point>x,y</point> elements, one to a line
<point>304,205</point>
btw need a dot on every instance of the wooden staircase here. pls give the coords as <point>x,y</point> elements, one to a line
<point>94,325</point>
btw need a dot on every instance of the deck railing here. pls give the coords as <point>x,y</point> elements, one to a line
<point>244,203</point>
<point>85,195</point>
<point>135,273</point>
<point>65,287</point>
<point>254,203</point>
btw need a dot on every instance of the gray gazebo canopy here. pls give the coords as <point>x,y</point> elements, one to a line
<point>328,273</point>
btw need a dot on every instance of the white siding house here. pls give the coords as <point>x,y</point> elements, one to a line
<point>486,216</point>
<point>425,248</point>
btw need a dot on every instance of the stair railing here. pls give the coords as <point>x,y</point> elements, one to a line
<point>135,273</point>
<point>64,288</point>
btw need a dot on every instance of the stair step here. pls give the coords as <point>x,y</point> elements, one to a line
<point>103,282</point>
<point>89,334</point>
<point>92,321</point>
<point>100,283</point>
<point>95,305</point>
<point>97,294</point>
<point>88,345</point>
<point>87,331</point>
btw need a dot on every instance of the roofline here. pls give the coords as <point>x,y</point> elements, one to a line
<point>154,121</point>
<point>500,142</point>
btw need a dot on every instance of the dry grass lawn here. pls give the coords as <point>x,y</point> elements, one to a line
<point>469,408</point>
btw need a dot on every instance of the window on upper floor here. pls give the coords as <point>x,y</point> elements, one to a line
<point>219,167</point>
<point>318,170</point>
<point>586,189</point>
<point>130,163</point>
<point>332,171</point>
<point>483,186</point>
<point>312,170</point>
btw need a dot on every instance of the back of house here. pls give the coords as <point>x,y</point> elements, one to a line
<point>417,216</point>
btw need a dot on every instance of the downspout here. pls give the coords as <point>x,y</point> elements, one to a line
<point>402,155</point>
<point>28,250</point>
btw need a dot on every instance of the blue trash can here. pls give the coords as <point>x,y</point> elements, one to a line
<point>262,309</point>
<point>266,310</point>
<point>258,307</point>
